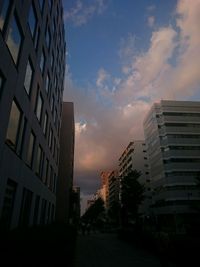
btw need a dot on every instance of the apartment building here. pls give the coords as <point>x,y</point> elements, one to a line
<point>32,67</point>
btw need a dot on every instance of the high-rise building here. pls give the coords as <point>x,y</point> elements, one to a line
<point>135,157</point>
<point>66,163</point>
<point>32,67</point>
<point>172,133</point>
<point>113,188</point>
<point>104,187</point>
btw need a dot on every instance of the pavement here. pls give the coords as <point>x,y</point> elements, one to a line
<point>106,250</point>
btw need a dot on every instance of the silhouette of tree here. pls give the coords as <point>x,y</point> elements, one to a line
<point>94,211</point>
<point>132,194</point>
<point>114,211</point>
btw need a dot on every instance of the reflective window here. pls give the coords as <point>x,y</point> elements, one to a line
<point>32,21</point>
<point>28,77</point>
<point>45,123</point>
<point>13,126</point>
<point>25,211</point>
<point>14,39</point>
<point>41,4</point>
<point>47,83</point>
<point>30,154</point>
<point>39,106</point>
<point>42,61</point>
<point>3,13</point>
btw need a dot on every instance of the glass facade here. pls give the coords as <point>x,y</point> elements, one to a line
<point>3,13</point>
<point>32,21</point>
<point>30,154</point>
<point>14,39</point>
<point>39,106</point>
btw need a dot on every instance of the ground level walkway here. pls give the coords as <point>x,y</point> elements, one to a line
<point>106,250</point>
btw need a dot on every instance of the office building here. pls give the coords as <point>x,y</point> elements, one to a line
<point>32,67</point>
<point>113,189</point>
<point>66,164</point>
<point>172,134</point>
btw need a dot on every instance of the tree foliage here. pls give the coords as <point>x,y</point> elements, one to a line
<point>94,211</point>
<point>132,195</point>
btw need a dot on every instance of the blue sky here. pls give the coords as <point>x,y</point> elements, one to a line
<point>97,42</point>
<point>122,56</point>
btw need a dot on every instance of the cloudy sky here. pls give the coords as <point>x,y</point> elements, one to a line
<point>122,56</point>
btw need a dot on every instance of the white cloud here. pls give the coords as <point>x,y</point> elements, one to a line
<point>151,21</point>
<point>81,13</point>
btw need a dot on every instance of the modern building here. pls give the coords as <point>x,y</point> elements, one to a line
<point>32,67</point>
<point>66,164</point>
<point>134,157</point>
<point>172,134</point>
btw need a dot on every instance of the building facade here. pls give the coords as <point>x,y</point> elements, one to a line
<point>113,189</point>
<point>172,134</point>
<point>66,164</point>
<point>32,67</point>
<point>135,157</point>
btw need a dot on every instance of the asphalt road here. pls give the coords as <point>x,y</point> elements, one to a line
<point>106,250</point>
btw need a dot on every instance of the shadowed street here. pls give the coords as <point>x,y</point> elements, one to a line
<point>97,250</point>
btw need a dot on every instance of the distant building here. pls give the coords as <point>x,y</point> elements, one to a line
<point>172,134</point>
<point>135,157</point>
<point>32,67</point>
<point>66,164</point>
<point>104,187</point>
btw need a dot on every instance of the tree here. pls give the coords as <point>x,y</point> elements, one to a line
<point>94,211</point>
<point>132,195</point>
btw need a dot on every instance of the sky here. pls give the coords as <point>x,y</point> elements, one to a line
<point>122,56</point>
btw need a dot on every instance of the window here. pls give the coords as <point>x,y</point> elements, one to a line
<point>39,161</point>
<point>42,61</point>
<point>32,21</point>
<point>13,126</point>
<point>14,39</point>
<point>39,106</point>
<point>52,103</point>
<point>30,154</point>
<point>36,210</point>
<point>46,178</point>
<point>51,178</point>
<point>48,38</point>
<point>28,77</point>
<point>3,13</point>
<point>50,138</point>
<point>8,204</point>
<point>45,124</point>
<point>25,207</point>
<point>47,84</point>
<point>21,136</point>
<point>52,60</point>
<point>1,84</point>
<point>41,4</point>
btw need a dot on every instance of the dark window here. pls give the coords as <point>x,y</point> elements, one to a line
<point>42,61</point>
<point>25,207</point>
<point>32,21</point>
<point>21,136</point>
<point>50,137</point>
<point>28,77</point>
<point>13,126</point>
<point>41,4</point>
<point>46,174</point>
<point>30,154</point>
<point>3,13</point>
<point>45,124</point>
<point>8,204</point>
<point>14,39</point>
<point>39,161</point>
<point>51,178</point>
<point>1,84</point>
<point>36,210</point>
<point>39,106</point>
<point>47,84</point>
<point>48,38</point>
